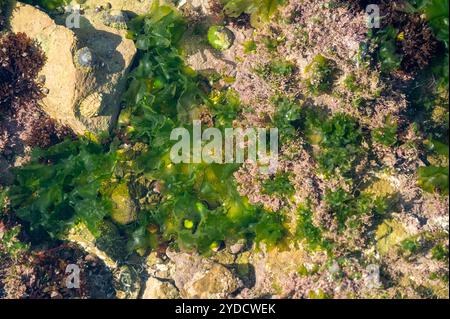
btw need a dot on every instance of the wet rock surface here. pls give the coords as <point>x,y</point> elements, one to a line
<point>86,67</point>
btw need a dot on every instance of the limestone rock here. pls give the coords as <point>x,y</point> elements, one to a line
<point>199,278</point>
<point>157,289</point>
<point>85,73</point>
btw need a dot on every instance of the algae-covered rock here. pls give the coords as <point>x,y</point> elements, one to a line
<point>86,67</point>
<point>157,289</point>
<point>123,211</point>
<point>389,234</point>
<point>220,38</point>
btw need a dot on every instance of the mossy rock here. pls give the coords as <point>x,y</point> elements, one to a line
<point>124,209</point>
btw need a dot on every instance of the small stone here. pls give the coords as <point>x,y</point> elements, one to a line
<point>196,277</point>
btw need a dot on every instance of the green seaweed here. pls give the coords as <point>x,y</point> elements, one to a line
<point>279,185</point>
<point>339,139</point>
<point>220,38</point>
<point>309,233</point>
<point>286,115</point>
<point>319,75</point>
<point>387,51</point>
<point>199,206</point>
<point>64,185</point>
<point>435,178</point>
<point>261,11</point>
<point>386,135</point>
<point>348,208</point>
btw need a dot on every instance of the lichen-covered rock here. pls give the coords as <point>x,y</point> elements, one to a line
<point>200,278</point>
<point>85,73</point>
<point>157,289</point>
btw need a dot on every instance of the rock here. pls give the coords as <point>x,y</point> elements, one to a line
<point>123,211</point>
<point>238,247</point>
<point>157,267</point>
<point>115,18</point>
<point>109,247</point>
<point>86,68</point>
<point>157,289</point>
<point>199,278</point>
<point>127,282</point>
<point>204,6</point>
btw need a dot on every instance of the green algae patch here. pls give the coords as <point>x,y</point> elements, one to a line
<point>123,210</point>
<point>389,234</point>
<point>319,75</point>
<point>220,38</point>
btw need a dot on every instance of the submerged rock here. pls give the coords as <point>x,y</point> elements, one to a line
<point>86,68</point>
<point>123,211</point>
